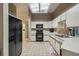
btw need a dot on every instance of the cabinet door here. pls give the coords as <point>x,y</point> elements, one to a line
<point>18,45</point>
<point>54,44</point>
<point>51,41</point>
<point>18,36</point>
<point>57,47</point>
<point>12,22</point>
<point>11,48</point>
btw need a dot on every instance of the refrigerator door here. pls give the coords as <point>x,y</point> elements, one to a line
<point>18,37</point>
<point>12,27</point>
<point>15,36</point>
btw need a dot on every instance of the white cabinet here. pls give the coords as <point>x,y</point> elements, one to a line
<point>33,38</point>
<point>51,41</point>
<point>73,16</point>
<point>56,45</point>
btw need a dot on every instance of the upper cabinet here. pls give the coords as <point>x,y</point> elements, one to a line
<point>73,16</point>
<point>63,7</point>
<point>12,9</point>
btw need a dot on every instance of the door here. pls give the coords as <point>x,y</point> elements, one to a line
<point>12,24</point>
<point>18,44</point>
<point>15,36</point>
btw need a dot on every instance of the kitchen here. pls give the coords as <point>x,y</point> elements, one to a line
<point>52,31</point>
<point>65,42</point>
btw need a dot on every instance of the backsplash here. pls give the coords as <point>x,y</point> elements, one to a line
<point>62,28</point>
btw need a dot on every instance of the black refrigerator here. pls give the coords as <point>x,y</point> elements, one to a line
<point>15,36</point>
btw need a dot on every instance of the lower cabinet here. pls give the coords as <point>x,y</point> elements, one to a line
<point>68,53</point>
<point>56,46</point>
<point>33,38</point>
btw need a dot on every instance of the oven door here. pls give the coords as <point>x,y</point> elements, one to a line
<point>39,37</point>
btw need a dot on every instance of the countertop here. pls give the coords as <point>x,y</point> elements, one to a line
<point>52,35</point>
<point>70,44</point>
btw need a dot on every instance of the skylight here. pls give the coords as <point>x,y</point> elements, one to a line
<point>39,7</point>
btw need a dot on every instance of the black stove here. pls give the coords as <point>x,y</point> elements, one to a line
<point>39,32</point>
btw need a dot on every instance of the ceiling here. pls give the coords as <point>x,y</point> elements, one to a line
<point>48,10</point>
<point>43,7</point>
<point>39,7</point>
<point>52,7</point>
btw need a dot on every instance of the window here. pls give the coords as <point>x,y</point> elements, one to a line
<point>39,7</point>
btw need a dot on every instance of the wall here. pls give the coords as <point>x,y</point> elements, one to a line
<point>40,17</point>
<point>12,9</point>
<point>5,29</point>
<point>23,14</point>
<point>1,28</point>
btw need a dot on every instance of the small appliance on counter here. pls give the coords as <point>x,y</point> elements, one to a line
<point>51,29</point>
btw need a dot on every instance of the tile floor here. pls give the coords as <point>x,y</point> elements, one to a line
<point>36,49</point>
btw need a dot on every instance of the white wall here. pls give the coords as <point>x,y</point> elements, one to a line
<point>5,29</point>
